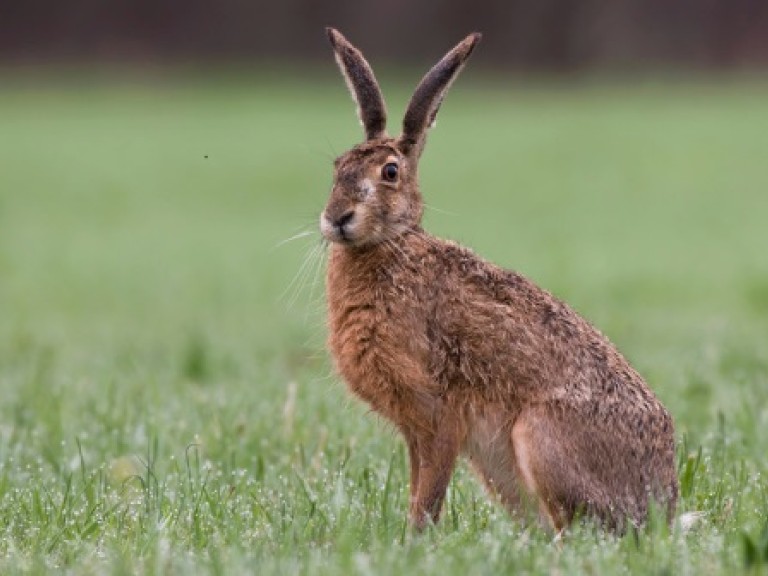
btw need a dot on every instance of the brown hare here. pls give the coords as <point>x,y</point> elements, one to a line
<point>464,357</point>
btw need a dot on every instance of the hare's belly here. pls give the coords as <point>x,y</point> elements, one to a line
<point>490,451</point>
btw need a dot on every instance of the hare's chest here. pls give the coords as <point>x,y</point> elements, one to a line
<point>353,335</point>
<point>377,352</point>
<point>364,341</point>
<point>356,347</point>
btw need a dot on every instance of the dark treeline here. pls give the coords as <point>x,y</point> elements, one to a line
<point>527,34</point>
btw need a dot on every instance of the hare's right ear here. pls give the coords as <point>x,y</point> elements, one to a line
<point>429,94</point>
<point>361,83</point>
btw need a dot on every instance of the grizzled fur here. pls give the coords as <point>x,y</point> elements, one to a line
<point>467,358</point>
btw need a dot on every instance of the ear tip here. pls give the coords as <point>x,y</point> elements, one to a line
<point>473,39</point>
<point>333,35</point>
<point>465,48</point>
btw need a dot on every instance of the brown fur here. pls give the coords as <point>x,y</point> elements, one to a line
<point>467,358</point>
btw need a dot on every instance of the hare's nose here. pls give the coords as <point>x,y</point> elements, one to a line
<point>344,219</point>
<point>341,224</point>
<point>337,225</point>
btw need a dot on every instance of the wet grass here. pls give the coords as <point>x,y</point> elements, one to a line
<point>167,405</point>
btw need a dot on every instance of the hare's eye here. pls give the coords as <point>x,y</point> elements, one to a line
<point>389,172</point>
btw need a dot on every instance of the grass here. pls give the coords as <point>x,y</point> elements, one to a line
<point>167,404</point>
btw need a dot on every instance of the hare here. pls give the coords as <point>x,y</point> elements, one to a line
<point>466,358</point>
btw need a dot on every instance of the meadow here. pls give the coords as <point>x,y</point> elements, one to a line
<point>166,402</point>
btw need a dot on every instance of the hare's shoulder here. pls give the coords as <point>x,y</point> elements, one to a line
<point>461,269</point>
<point>504,315</point>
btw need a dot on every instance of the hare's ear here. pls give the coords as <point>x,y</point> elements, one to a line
<point>426,100</point>
<point>361,83</point>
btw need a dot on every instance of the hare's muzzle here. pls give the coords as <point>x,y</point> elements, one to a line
<point>337,227</point>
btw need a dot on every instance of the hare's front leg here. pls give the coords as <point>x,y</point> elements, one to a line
<point>433,457</point>
<point>413,469</point>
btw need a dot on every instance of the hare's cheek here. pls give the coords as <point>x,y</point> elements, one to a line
<point>368,221</point>
<point>378,231</point>
<point>398,207</point>
<point>365,219</point>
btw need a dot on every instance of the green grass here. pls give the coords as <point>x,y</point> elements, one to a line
<point>166,404</point>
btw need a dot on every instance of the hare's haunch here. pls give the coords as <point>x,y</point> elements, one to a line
<point>467,358</point>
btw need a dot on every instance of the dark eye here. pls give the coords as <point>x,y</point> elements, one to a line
<point>389,172</point>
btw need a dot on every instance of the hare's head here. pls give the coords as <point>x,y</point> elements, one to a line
<point>375,195</point>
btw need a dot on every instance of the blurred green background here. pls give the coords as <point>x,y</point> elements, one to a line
<point>167,404</point>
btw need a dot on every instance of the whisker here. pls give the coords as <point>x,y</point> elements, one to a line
<point>317,268</point>
<point>399,251</point>
<point>329,144</point>
<point>294,288</point>
<point>302,234</point>
<point>439,210</point>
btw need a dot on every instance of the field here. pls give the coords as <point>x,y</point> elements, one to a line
<point>166,402</point>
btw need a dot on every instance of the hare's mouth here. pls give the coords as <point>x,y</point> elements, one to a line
<point>342,229</point>
<point>357,233</point>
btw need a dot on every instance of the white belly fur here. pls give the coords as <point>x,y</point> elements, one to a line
<point>490,450</point>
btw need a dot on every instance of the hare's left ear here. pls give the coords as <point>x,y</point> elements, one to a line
<point>425,102</point>
<point>361,83</point>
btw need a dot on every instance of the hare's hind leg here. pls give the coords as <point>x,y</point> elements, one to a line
<point>547,469</point>
<point>596,467</point>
